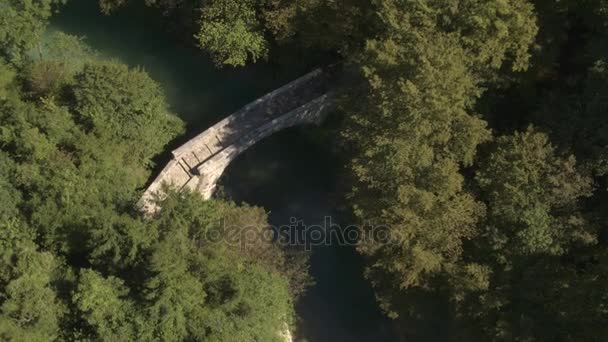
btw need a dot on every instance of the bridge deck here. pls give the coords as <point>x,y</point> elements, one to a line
<point>182,170</point>
<point>254,114</point>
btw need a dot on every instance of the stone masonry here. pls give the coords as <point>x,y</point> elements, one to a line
<point>199,163</point>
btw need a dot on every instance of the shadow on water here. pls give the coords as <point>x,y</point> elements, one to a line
<point>287,174</point>
<point>294,178</point>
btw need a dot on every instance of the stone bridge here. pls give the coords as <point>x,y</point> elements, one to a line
<point>198,164</point>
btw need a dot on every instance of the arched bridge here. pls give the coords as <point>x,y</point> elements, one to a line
<point>199,163</point>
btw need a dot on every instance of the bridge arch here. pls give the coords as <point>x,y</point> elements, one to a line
<point>198,164</point>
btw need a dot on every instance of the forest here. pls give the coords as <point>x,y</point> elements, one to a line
<point>473,129</point>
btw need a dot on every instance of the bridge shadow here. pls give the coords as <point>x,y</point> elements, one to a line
<point>196,90</point>
<point>291,175</point>
<point>199,163</point>
<point>257,113</point>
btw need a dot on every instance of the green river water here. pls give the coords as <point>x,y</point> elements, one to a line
<point>289,174</point>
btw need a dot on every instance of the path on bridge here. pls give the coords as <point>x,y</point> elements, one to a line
<point>198,164</point>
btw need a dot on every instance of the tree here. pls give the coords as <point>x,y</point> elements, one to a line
<point>495,32</point>
<point>21,26</point>
<point>542,297</point>
<point>77,260</point>
<point>534,226</point>
<point>72,179</point>
<point>126,105</point>
<point>104,304</point>
<point>7,77</point>
<point>29,306</point>
<point>412,128</point>
<point>202,287</point>
<point>231,32</point>
<point>51,70</point>
<point>108,6</point>
<point>409,136</point>
<point>325,25</point>
<point>11,196</point>
<point>532,196</point>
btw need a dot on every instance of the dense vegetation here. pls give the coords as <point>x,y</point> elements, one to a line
<point>476,130</point>
<point>78,260</point>
<point>471,138</point>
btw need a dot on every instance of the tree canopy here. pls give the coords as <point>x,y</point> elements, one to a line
<point>231,32</point>
<point>475,131</point>
<point>78,259</point>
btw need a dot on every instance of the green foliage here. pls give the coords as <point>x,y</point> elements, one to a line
<point>104,305</point>
<point>541,298</point>
<point>7,76</point>
<point>51,69</point>
<point>574,297</point>
<point>412,128</point>
<point>492,31</point>
<point>71,165</point>
<point>108,6</point>
<point>29,307</point>
<point>326,25</point>
<point>72,179</point>
<point>231,32</point>
<point>11,197</point>
<point>533,198</point>
<point>47,79</point>
<point>73,155</point>
<point>203,287</point>
<point>21,25</point>
<point>511,234</point>
<point>71,51</point>
<point>532,195</point>
<point>416,108</point>
<point>124,105</point>
<point>80,184</point>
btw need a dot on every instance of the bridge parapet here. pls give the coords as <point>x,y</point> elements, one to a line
<point>198,164</point>
<point>267,107</point>
<point>211,171</point>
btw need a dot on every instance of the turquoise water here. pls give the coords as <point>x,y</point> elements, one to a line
<point>289,174</point>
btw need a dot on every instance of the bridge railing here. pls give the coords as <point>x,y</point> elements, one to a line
<point>273,111</point>
<point>210,171</point>
<point>225,131</point>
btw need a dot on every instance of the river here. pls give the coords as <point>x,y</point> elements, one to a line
<point>291,174</point>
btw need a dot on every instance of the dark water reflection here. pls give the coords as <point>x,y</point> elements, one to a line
<point>293,177</point>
